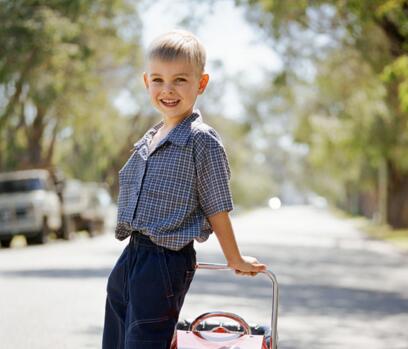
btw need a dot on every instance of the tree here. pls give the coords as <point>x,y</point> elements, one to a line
<point>371,36</point>
<point>61,63</point>
<point>252,182</point>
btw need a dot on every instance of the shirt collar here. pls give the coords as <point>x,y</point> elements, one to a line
<point>181,133</point>
<point>178,135</point>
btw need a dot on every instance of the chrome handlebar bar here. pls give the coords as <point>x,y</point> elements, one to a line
<point>275,294</point>
<point>246,328</point>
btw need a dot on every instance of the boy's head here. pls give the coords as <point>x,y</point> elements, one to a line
<point>175,73</point>
<point>177,45</point>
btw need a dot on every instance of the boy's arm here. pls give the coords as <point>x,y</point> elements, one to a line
<point>221,225</point>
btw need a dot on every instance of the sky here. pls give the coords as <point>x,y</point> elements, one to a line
<point>225,33</point>
<point>227,37</point>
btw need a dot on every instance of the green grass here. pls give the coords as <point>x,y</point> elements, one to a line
<point>397,237</point>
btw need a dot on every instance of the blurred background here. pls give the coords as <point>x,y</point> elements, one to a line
<point>309,97</point>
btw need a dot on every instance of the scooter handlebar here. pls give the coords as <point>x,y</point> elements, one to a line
<point>275,294</point>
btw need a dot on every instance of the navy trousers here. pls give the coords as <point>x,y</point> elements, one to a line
<point>145,293</point>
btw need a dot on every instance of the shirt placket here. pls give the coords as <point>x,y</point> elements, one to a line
<point>145,156</point>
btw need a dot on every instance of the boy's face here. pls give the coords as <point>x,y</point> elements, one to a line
<point>174,86</point>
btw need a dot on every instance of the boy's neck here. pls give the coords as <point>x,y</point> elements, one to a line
<point>170,123</point>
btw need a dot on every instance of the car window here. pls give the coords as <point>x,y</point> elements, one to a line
<point>21,185</point>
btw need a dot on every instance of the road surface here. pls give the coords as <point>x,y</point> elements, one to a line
<point>338,289</point>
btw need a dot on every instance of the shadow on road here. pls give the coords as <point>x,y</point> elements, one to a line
<point>302,298</point>
<point>310,282</point>
<point>59,273</point>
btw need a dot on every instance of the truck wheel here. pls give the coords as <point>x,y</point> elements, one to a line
<point>41,237</point>
<point>95,228</point>
<point>6,242</point>
<point>92,229</point>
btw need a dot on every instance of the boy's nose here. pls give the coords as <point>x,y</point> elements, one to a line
<point>168,88</point>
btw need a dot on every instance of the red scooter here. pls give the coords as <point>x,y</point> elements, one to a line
<point>201,334</point>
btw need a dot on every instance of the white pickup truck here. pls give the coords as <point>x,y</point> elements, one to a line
<point>29,205</point>
<point>88,206</point>
<point>33,203</point>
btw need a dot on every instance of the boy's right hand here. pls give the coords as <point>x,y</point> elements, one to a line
<point>247,265</point>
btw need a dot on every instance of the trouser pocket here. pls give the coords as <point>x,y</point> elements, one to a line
<point>150,310</point>
<point>158,281</point>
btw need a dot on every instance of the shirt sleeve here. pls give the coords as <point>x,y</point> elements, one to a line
<point>213,175</point>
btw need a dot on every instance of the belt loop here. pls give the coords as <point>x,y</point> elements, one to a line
<point>134,240</point>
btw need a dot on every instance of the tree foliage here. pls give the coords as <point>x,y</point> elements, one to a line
<point>354,114</point>
<point>60,65</point>
<point>252,182</point>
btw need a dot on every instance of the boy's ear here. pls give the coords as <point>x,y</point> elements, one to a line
<point>146,80</point>
<point>203,83</point>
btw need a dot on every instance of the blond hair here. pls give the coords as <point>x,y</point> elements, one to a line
<point>178,44</point>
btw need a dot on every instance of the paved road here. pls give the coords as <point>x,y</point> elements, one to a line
<point>338,289</point>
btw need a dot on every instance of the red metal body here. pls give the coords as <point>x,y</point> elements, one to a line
<point>220,337</point>
<point>190,340</point>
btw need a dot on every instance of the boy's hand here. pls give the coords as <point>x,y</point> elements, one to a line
<point>247,265</point>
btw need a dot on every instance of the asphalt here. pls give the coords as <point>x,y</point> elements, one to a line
<point>338,288</point>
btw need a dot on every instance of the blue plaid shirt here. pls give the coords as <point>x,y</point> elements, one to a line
<point>168,194</point>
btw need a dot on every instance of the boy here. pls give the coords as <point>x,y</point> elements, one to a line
<point>174,189</point>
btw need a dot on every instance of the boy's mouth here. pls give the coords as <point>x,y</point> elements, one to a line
<point>170,102</point>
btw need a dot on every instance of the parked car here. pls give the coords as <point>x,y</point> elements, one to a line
<point>29,205</point>
<point>88,206</point>
<point>35,202</point>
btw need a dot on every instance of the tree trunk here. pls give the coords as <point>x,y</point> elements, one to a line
<point>34,137</point>
<point>398,198</point>
<point>2,149</point>
<point>51,146</point>
<point>18,88</point>
<point>382,192</point>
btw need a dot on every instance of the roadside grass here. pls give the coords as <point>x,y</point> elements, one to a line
<point>397,237</point>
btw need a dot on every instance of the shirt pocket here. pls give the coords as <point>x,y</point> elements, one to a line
<point>172,167</point>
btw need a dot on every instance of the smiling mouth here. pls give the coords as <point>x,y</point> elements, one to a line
<point>170,102</point>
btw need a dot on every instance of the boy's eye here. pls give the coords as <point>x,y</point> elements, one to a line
<point>157,80</point>
<point>180,80</point>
